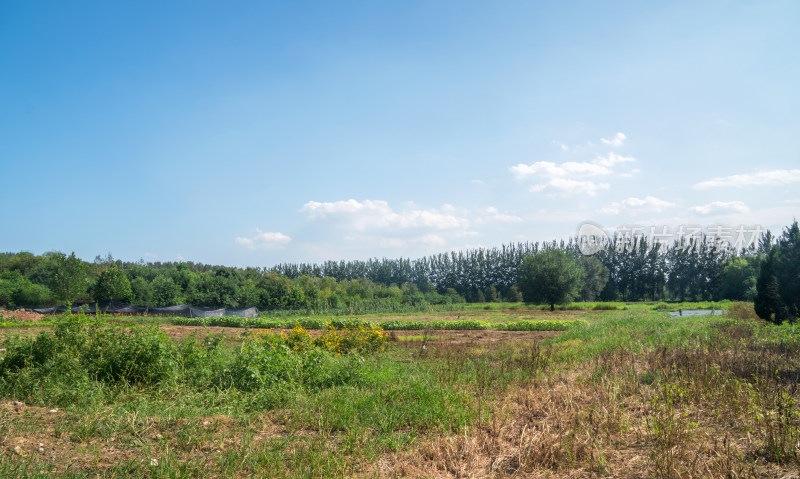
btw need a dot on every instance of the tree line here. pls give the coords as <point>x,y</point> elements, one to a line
<point>699,269</point>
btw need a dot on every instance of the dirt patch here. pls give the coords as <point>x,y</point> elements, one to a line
<point>21,315</point>
<point>488,315</point>
<point>30,433</point>
<point>471,337</point>
<point>568,312</point>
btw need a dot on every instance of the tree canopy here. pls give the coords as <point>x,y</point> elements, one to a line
<point>697,269</point>
<point>778,286</point>
<point>114,285</point>
<point>551,277</point>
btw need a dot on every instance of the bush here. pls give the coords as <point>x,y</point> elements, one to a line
<point>284,360</point>
<point>85,360</point>
<point>742,310</point>
<point>261,365</point>
<point>339,337</point>
<point>359,336</point>
<point>604,306</point>
<point>73,363</point>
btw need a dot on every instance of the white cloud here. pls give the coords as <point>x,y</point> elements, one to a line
<point>571,187</point>
<point>367,224</point>
<point>571,177</point>
<point>263,239</point>
<point>376,214</point>
<point>477,182</point>
<point>650,203</point>
<point>549,169</point>
<point>762,178</point>
<point>618,139</point>
<point>720,207</point>
<point>491,213</point>
<point>613,159</point>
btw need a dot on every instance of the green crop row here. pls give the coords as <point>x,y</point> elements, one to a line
<point>395,324</point>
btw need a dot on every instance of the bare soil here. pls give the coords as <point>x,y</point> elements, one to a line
<point>473,337</point>
<point>21,315</point>
<point>489,315</point>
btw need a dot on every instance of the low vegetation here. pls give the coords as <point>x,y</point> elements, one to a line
<point>622,393</point>
<point>395,324</point>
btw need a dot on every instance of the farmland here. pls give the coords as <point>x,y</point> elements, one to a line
<point>577,392</point>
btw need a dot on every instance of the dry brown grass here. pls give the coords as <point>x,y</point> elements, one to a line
<point>721,411</point>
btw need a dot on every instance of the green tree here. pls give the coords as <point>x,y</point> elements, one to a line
<point>165,291</point>
<point>551,276</point>
<point>275,291</point>
<point>514,294</point>
<point>23,262</point>
<point>113,284</point>
<point>595,277</point>
<point>491,294</point>
<point>778,286</point>
<point>142,291</point>
<point>739,275</point>
<point>69,281</point>
<point>296,298</point>
<point>17,290</point>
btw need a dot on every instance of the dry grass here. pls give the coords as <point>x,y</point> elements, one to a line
<point>721,411</point>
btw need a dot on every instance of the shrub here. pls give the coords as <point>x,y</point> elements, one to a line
<point>604,306</point>
<point>742,310</point>
<point>263,364</point>
<point>361,336</point>
<point>73,363</point>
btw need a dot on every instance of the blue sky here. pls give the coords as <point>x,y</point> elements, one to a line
<point>253,133</point>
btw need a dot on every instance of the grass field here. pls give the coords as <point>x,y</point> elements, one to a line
<point>621,393</point>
